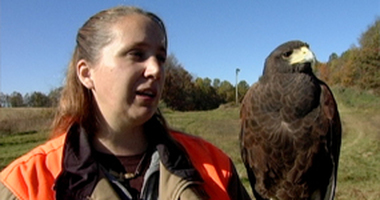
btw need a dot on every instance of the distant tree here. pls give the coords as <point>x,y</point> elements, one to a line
<point>207,82</point>
<point>368,58</point>
<point>201,83</point>
<point>226,91</point>
<point>216,83</point>
<point>341,71</point>
<point>242,89</point>
<point>54,96</point>
<point>322,71</point>
<point>206,97</point>
<point>4,100</point>
<point>178,88</point>
<point>370,39</point>
<point>333,56</point>
<point>39,99</point>
<point>16,99</point>
<point>350,71</point>
<point>369,67</point>
<point>26,99</point>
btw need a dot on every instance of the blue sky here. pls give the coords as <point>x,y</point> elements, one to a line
<point>209,38</point>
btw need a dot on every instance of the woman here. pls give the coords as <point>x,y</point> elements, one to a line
<point>110,140</point>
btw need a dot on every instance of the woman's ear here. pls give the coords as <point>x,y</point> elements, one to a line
<point>84,74</point>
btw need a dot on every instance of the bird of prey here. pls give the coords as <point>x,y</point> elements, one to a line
<point>290,129</point>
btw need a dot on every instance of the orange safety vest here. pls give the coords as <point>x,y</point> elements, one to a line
<point>32,176</point>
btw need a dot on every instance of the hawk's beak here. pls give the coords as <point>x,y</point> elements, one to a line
<point>302,55</point>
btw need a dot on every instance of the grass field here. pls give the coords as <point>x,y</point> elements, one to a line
<point>359,170</point>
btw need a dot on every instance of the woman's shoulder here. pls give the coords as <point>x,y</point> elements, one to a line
<point>214,166</point>
<point>187,138</point>
<point>198,146</point>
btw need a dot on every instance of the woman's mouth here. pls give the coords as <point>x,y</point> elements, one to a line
<point>146,93</point>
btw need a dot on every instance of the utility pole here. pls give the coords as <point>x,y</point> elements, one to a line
<point>236,86</point>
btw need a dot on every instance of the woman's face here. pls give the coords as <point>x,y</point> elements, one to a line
<point>128,78</point>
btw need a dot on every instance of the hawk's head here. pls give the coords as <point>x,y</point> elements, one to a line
<point>290,57</point>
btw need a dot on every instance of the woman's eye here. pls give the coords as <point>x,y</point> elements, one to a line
<point>161,58</point>
<point>137,55</point>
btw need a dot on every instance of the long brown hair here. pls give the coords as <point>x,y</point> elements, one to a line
<point>76,103</point>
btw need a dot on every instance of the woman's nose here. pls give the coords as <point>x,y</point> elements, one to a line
<point>153,68</point>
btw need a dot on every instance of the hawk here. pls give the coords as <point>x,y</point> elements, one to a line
<point>290,129</point>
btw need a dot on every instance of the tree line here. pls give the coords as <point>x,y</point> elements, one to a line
<point>182,92</point>
<point>34,99</point>
<point>359,66</point>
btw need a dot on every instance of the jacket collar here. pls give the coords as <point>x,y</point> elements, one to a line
<point>177,162</point>
<point>172,154</point>
<point>80,172</point>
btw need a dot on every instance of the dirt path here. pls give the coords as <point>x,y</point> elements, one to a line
<point>359,161</point>
<point>359,124</point>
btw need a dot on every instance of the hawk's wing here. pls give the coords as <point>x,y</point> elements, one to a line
<point>330,111</point>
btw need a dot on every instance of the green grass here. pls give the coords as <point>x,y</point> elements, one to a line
<point>359,169</point>
<point>12,146</point>
<point>357,100</point>
<point>220,127</point>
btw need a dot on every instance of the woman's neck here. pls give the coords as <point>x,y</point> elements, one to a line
<point>121,143</point>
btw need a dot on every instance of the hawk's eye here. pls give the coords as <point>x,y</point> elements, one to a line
<point>287,54</point>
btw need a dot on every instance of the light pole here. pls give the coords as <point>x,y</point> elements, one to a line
<point>236,86</point>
